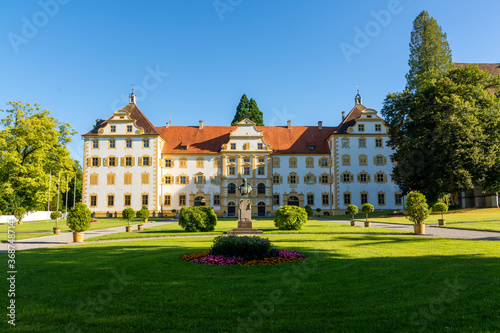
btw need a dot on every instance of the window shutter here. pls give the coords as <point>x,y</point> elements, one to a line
<point>99,162</point>
<point>368,178</point>
<point>106,161</point>
<point>88,162</point>
<point>281,180</point>
<point>359,178</point>
<point>178,180</point>
<point>133,161</point>
<point>374,160</point>
<point>305,179</point>
<point>140,161</point>
<point>330,179</point>
<point>385,160</point>
<point>329,162</point>
<point>385,178</point>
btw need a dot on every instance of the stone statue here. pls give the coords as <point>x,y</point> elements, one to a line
<point>245,189</point>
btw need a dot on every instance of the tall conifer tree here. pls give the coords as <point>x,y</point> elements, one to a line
<point>248,109</point>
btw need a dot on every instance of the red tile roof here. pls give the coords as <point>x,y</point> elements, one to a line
<point>350,119</point>
<point>140,119</point>
<point>210,139</point>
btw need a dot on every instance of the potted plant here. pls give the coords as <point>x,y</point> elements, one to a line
<point>128,213</point>
<point>353,210</point>
<point>442,208</point>
<point>79,218</point>
<point>367,208</point>
<point>417,210</point>
<point>319,211</point>
<point>309,211</point>
<point>55,215</point>
<point>19,213</point>
<point>143,214</point>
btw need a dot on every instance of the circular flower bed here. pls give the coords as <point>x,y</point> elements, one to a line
<point>243,251</point>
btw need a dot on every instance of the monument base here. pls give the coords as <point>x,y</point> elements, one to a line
<point>244,220</point>
<point>244,232</point>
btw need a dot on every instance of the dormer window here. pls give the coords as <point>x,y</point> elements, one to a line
<point>361,127</point>
<point>233,146</point>
<point>184,147</point>
<point>369,116</point>
<point>122,117</point>
<point>260,146</point>
<point>113,128</point>
<point>129,128</point>
<point>311,147</point>
<point>378,128</point>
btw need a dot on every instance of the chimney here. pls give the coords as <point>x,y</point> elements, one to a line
<point>343,115</point>
<point>201,124</point>
<point>289,124</point>
<point>320,125</point>
<point>167,125</point>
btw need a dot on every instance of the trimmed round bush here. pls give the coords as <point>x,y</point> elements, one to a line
<point>440,207</point>
<point>290,218</point>
<point>309,211</point>
<point>128,213</point>
<point>353,210</point>
<point>246,247</point>
<point>19,213</point>
<point>197,219</point>
<point>55,215</point>
<point>417,209</point>
<point>79,217</point>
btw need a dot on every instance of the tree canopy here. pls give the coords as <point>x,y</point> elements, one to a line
<point>248,109</point>
<point>430,54</point>
<point>32,143</point>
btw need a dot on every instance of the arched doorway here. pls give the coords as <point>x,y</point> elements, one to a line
<point>293,201</point>
<point>200,201</point>
<point>261,209</point>
<point>231,209</point>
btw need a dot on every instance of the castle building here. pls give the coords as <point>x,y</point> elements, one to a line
<point>129,162</point>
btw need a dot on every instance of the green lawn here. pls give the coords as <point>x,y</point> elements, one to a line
<point>492,226</point>
<point>44,228</point>
<point>453,216</point>
<point>348,283</point>
<point>265,224</point>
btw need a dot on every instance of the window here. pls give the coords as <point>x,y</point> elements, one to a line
<point>324,179</point>
<point>276,200</point>
<point>145,199</point>
<point>182,179</point>
<point>364,198</point>
<point>111,178</point>
<point>127,179</point>
<point>346,160</point>
<point>216,179</point>
<point>184,147</point>
<point>292,162</point>
<point>113,128</point>
<point>233,146</point>
<point>324,199</point>
<point>324,162</point>
<point>231,188</point>
<point>346,177</point>
<point>182,200</point>
<point>216,200</point>
<point>168,179</point>
<point>260,170</point>
<point>145,178</point>
<point>95,161</point>
<point>112,143</point>
<point>381,199</point>
<point>183,163</point>
<point>232,160</point>
<point>363,160</point>
<point>246,170</point>
<point>95,144</point>
<point>129,128</point>
<point>309,179</point>
<point>276,162</point>
<point>145,143</point>
<point>112,161</point>
<point>168,163</point>
<point>362,143</point>
<point>128,161</point>
<point>216,162</point>
<point>310,199</point>
<point>347,199</point>
<point>378,143</point>
<point>276,179</point>
<point>232,171</point>
<point>145,161</point>
<point>379,160</point>
<point>363,177</point>
<point>261,188</point>
<point>398,199</point>
<point>260,146</point>
<point>293,179</point>
<point>345,143</point>
<point>381,178</point>
<point>309,162</point>
<point>128,143</point>
<point>378,128</point>
<point>246,160</point>
<point>127,200</point>
<point>311,147</point>
<point>111,200</point>
<point>93,200</point>
<point>167,200</point>
<point>361,127</point>
<point>262,160</point>
<point>200,162</point>
<point>199,180</point>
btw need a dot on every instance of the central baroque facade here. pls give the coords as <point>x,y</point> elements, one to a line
<point>129,162</point>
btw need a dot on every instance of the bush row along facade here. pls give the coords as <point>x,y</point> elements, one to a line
<point>129,162</point>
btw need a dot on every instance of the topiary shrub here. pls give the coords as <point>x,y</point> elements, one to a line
<point>19,213</point>
<point>367,208</point>
<point>290,218</point>
<point>417,209</point>
<point>353,210</point>
<point>143,213</point>
<point>197,219</point>
<point>79,218</point>
<point>440,207</point>
<point>55,215</point>
<point>309,211</point>
<point>246,247</point>
<point>128,213</point>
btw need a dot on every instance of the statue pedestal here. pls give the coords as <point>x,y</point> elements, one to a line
<point>245,220</point>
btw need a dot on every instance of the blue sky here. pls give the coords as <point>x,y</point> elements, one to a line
<point>192,60</point>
